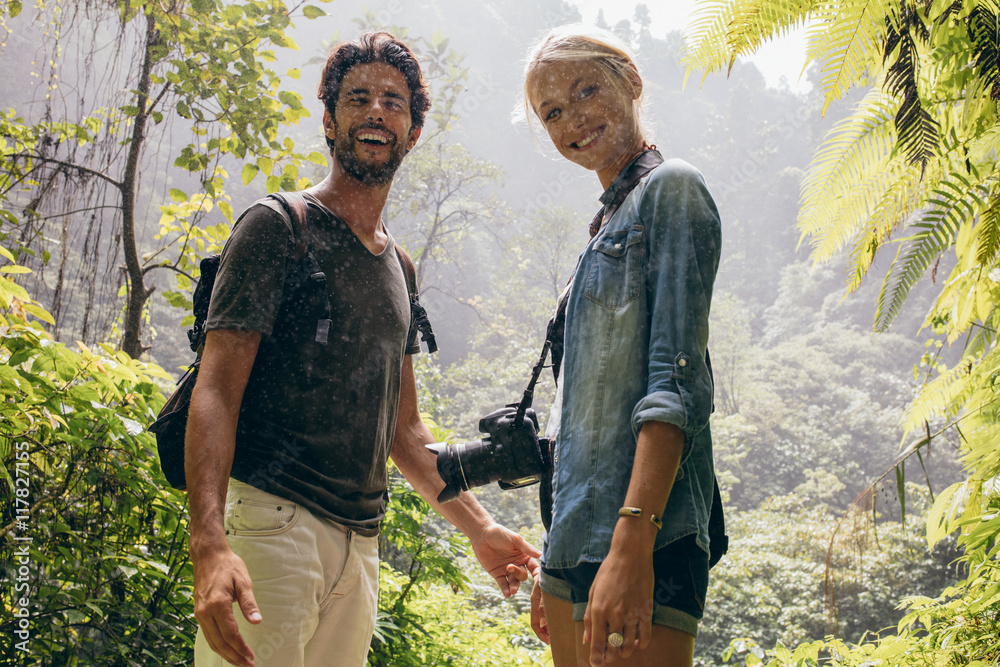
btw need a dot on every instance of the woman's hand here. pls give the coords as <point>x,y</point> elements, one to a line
<point>621,600</point>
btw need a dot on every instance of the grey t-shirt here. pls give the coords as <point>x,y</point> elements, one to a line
<point>317,420</point>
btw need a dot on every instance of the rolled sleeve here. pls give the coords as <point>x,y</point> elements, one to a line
<point>683,248</point>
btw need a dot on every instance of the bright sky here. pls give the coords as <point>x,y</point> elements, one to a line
<point>783,57</point>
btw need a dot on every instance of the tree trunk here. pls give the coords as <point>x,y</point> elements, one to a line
<point>137,293</point>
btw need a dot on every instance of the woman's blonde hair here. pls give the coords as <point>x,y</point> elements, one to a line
<point>577,41</point>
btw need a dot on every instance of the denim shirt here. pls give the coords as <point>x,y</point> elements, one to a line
<point>636,342</point>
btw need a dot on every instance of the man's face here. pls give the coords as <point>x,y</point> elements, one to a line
<point>371,127</point>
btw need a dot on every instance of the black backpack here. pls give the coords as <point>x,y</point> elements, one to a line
<point>171,422</point>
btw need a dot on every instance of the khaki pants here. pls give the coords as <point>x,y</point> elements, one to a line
<point>316,584</point>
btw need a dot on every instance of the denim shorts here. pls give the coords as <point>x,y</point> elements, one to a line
<point>681,571</point>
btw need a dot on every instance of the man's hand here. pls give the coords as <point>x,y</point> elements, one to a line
<point>539,623</point>
<point>220,579</point>
<point>505,555</point>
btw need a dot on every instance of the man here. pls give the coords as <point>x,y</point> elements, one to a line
<point>296,431</point>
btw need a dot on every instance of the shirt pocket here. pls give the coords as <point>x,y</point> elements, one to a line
<point>614,277</point>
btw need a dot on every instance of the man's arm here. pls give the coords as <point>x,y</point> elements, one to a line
<point>220,577</point>
<point>502,553</point>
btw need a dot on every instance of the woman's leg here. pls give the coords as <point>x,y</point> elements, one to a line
<point>668,647</point>
<point>562,631</point>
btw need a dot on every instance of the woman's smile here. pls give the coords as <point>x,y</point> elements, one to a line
<point>590,120</point>
<point>589,139</point>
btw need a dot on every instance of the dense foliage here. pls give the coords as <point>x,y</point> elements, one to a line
<point>74,170</point>
<point>96,545</point>
<point>918,155</point>
<point>808,404</point>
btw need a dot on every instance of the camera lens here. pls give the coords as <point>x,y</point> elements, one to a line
<point>464,465</point>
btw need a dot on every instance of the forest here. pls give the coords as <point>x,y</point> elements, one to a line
<point>853,335</point>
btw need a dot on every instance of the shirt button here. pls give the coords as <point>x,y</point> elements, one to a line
<point>682,363</point>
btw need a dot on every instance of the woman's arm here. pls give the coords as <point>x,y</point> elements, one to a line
<point>621,598</point>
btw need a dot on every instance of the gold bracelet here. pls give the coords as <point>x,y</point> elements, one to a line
<point>637,512</point>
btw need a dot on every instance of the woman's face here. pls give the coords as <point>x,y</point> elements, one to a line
<point>590,121</point>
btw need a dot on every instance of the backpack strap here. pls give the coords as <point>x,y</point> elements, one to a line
<point>417,311</point>
<point>293,207</point>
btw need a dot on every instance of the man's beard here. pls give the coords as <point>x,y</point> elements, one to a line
<point>369,173</point>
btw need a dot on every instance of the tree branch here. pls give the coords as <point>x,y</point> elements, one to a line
<point>69,165</point>
<point>172,268</point>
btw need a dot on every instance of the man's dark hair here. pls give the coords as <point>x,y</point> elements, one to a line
<point>375,47</point>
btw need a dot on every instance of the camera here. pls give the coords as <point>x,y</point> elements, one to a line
<point>511,453</point>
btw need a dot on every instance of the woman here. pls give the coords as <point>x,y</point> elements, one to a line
<point>625,562</point>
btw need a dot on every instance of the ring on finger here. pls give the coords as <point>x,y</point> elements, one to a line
<point>616,639</point>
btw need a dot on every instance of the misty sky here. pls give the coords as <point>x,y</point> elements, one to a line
<point>783,57</point>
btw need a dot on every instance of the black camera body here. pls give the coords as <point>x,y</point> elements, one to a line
<point>511,454</point>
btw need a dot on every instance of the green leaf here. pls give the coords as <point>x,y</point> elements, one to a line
<point>294,73</point>
<point>203,6</point>
<point>130,110</point>
<point>317,158</point>
<point>39,312</point>
<point>313,12</point>
<point>178,196</point>
<point>14,269</point>
<point>14,8</point>
<point>249,172</point>
<point>291,99</point>
<point>227,210</point>
<point>7,254</point>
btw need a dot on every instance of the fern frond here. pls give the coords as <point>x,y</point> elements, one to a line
<point>903,197</point>
<point>853,160</point>
<point>988,233</point>
<point>760,21</point>
<point>953,204</point>
<point>720,31</point>
<point>914,256</point>
<point>847,41</point>
<point>967,387</point>
<point>984,32</point>
<point>983,338</point>
<point>707,38</point>
<point>942,396</point>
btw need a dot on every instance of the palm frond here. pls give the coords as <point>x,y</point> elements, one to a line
<point>847,41</point>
